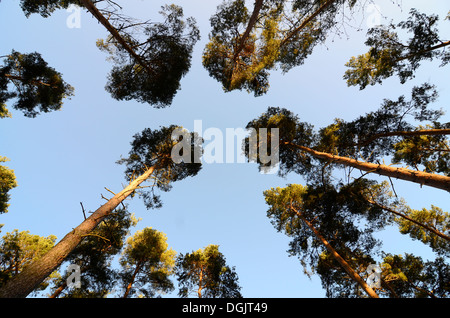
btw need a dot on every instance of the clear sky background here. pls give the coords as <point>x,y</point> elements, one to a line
<point>63,158</point>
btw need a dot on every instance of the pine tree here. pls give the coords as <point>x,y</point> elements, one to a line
<point>7,183</point>
<point>34,85</point>
<point>205,273</point>
<point>149,158</point>
<point>150,58</point>
<point>147,264</point>
<point>20,249</point>
<point>389,56</point>
<point>244,48</point>
<point>94,256</point>
<point>317,219</point>
<point>363,143</point>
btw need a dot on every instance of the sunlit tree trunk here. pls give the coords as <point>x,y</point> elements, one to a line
<point>420,177</point>
<point>27,280</point>
<point>424,132</point>
<point>354,275</point>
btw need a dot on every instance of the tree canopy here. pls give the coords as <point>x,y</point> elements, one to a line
<point>389,56</point>
<point>35,86</point>
<point>147,264</point>
<point>366,141</point>
<point>206,273</point>
<point>348,167</point>
<point>7,182</point>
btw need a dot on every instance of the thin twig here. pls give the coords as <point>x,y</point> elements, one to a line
<point>82,209</point>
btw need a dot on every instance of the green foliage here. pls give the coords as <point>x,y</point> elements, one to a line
<point>153,148</point>
<point>18,250</point>
<point>147,264</point>
<point>7,182</point>
<point>435,218</point>
<point>335,281</point>
<point>45,7</point>
<point>388,56</point>
<point>206,273</point>
<point>334,213</point>
<point>347,216</point>
<point>166,49</point>
<point>162,51</point>
<point>409,276</point>
<point>95,254</point>
<point>37,87</point>
<point>284,36</point>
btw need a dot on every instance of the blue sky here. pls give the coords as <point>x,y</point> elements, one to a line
<point>67,157</point>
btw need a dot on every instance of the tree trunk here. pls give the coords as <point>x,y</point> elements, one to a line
<point>307,20</point>
<point>431,48</point>
<point>200,281</point>
<point>34,82</point>
<point>60,289</point>
<point>354,275</point>
<point>127,291</point>
<point>253,18</point>
<point>420,177</point>
<point>424,132</point>
<point>426,227</point>
<point>27,280</point>
<point>113,31</point>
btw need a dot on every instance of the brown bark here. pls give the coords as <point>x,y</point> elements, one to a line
<point>200,281</point>
<point>113,31</point>
<point>253,18</point>
<point>354,275</point>
<point>35,83</point>
<point>307,20</point>
<point>431,48</point>
<point>420,177</point>
<point>440,234</point>
<point>59,290</point>
<point>27,280</point>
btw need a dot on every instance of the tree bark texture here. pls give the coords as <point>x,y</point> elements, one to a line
<point>423,178</point>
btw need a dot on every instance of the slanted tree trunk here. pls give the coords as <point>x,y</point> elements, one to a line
<point>136,271</point>
<point>31,276</point>
<point>253,18</point>
<point>426,227</point>
<point>200,282</point>
<point>59,290</point>
<point>424,132</point>
<point>350,271</point>
<point>420,177</point>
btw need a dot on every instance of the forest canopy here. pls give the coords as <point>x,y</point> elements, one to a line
<point>104,187</point>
